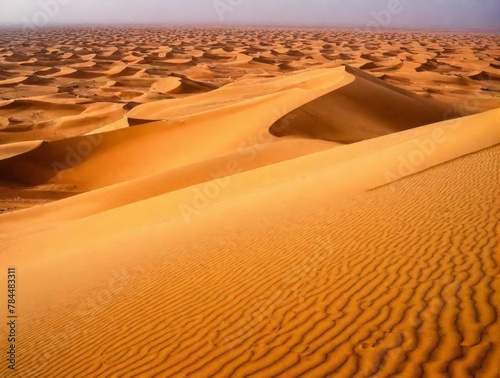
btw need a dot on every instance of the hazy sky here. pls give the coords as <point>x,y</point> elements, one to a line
<point>366,14</point>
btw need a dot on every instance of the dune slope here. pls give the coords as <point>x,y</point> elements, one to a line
<point>187,131</point>
<point>342,287</point>
<point>397,155</point>
<point>366,108</point>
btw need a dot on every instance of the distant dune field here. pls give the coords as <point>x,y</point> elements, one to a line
<point>251,202</point>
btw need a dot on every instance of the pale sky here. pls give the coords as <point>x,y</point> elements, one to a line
<point>365,14</point>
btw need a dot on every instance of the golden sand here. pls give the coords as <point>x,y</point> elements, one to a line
<point>245,202</point>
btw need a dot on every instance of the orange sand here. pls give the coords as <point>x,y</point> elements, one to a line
<point>215,203</point>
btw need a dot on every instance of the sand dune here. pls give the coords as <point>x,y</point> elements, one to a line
<point>214,115</point>
<point>211,202</point>
<point>436,143</point>
<point>22,120</point>
<point>202,115</point>
<point>241,52</point>
<point>13,149</point>
<point>22,109</point>
<point>297,324</point>
<point>350,114</point>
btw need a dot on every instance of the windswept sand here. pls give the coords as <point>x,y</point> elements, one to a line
<point>244,202</point>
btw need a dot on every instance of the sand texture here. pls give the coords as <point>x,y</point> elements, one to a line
<point>251,202</point>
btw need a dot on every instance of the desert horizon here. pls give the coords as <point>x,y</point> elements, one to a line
<point>235,201</point>
<point>285,26</point>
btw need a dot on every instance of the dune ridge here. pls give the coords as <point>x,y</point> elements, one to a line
<point>216,122</point>
<point>398,155</point>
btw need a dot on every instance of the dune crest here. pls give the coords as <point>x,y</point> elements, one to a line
<point>14,149</point>
<point>80,161</point>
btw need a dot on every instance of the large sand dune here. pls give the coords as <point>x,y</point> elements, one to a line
<point>212,202</point>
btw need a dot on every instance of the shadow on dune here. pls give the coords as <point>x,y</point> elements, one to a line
<point>331,105</point>
<point>366,108</point>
